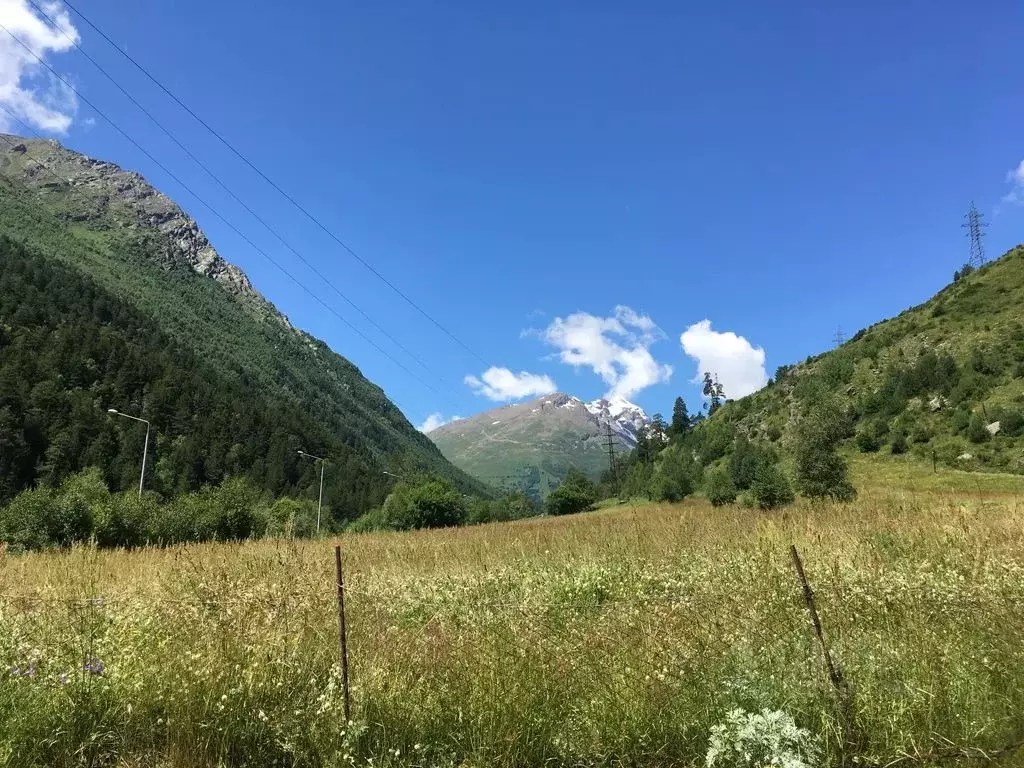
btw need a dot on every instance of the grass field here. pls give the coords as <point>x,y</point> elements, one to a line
<point>617,637</point>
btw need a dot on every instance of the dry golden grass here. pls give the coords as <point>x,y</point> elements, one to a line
<point>614,637</point>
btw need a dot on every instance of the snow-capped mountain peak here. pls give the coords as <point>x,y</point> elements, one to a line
<point>625,417</point>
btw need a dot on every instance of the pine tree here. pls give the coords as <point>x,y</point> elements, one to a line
<point>657,433</point>
<point>680,419</point>
<point>714,391</point>
<point>643,445</point>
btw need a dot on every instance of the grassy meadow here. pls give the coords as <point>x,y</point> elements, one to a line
<point>616,637</point>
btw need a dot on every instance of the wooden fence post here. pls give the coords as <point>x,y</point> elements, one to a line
<point>834,673</point>
<point>844,695</point>
<point>341,632</point>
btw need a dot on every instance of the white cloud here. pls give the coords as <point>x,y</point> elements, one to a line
<point>615,348</point>
<point>435,420</point>
<point>1016,178</point>
<point>738,364</point>
<point>27,88</point>
<point>502,384</point>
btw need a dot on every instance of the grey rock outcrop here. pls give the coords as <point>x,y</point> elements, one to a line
<point>125,200</point>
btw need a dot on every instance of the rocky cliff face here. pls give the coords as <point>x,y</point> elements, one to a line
<point>624,417</point>
<point>102,195</point>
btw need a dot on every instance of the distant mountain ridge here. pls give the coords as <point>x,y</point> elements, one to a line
<point>531,446</point>
<point>139,255</point>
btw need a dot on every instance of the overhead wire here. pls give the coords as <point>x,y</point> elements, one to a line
<point>209,207</point>
<point>295,203</point>
<point>231,192</point>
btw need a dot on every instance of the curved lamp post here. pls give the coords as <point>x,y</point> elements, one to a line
<point>320,503</point>
<point>145,447</point>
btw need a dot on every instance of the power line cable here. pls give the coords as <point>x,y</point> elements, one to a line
<point>215,213</point>
<point>272,183</point>
<point>230,192</point>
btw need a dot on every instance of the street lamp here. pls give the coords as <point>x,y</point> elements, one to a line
<point>145,447</point>
<point>320,503</point>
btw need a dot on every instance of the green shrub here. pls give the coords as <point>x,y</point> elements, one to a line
<point>713,440</point>
<point>231,510</point>
<point>125,520</point>
<point>1012,424</point>
<point>431,504</point>
<point>745,460</point>
<point>976,431</point>
<point>719,488</point>
<point>514,506</point>
<point>821,472</point>
<point>961,419</point>
<point>374,520</point>
<point>77,499</point>
<point>771,488</point>
<point>868,442</point>
<point>575,494</point>
<point>637,481</point>
<point>180,520</point>
<point>899,444</point>
<point>920,433</point>
<point>289,518</point>
<point>669,488</point>
<point>23,522</point>
<point>674,475</point>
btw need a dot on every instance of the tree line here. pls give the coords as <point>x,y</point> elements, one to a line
<point>702,452</point>
<point>70,349</point>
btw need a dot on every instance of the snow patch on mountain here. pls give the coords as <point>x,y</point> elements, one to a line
<point>625,417</point>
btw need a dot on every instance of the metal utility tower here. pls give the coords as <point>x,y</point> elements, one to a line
<point>840,337</point>
<point>610,445</point>
<point>974,223</point>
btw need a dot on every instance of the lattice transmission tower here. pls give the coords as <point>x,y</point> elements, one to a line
<point>610,446</point>
<point>974,223</point>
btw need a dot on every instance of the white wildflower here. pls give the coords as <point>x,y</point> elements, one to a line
<point>769,739</point>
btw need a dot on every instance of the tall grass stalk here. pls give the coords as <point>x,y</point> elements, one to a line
<point>619,637</point>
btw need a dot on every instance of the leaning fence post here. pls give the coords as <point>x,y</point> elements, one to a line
<point>835,674</point>
<point>341,631</point>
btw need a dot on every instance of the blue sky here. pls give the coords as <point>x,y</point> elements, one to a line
<point>569,188</point>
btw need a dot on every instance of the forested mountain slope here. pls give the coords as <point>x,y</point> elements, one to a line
<point>944,379</point>
<point>110,296</point>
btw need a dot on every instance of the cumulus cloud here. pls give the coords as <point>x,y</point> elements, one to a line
<point>738,364</point>
<point>1016,178</point>
<point>616,348</point>
<point>435,420</point>
<point>27,88</point>
<point>501,384</point>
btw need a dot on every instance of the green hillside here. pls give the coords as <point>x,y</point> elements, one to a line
<point>943,380</point>
<point>110,296</point>
<point>531,446</point>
